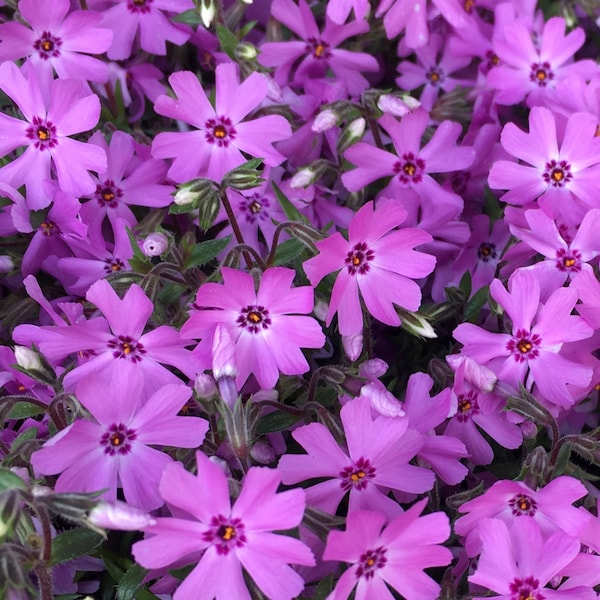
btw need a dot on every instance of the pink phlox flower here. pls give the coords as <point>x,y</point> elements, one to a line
<point>339,10</point>
<point>112,449</point>
<point>425,413</point>
<point>376,460</point>
<point>563,181</point>
<point>128,180</point>
<point>220,134</point>
<point>531,66</point>
<point>513,502</point>
<point>520,562</point>
<point>57,39</point>
<point>410,165</point>
<point>432,70</point>
<point>563,259</point>
<point>316,51</point>
<point>477,410</point>
<point>45,133</point>
<point>147,20</point>
<point>269,326</point>
<point>375,261</point>
<point>391,557</point>
<point>103,341</point>
<point>222,539</point>
<point>588,287</point>
<point>532,352</point>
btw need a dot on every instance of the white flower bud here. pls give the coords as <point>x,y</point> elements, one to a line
<point>388,103</point>
<point>208,11</point>
<point>303,178</point>
<point>27,358</point>
<point>120,515</point>
<point>6,264</point>
<point>325,120</point>
<point>184,196</point>
<point>155,244</point>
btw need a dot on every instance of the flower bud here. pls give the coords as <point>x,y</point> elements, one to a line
<point>155,244</point>
<point>119,515</point>
<point>190,194</point>
<point>373,369</point>
<point>6,264</point>
<point>321,308</point>
<point>351,134</point>
<point>325,120</point>
<point>223,353</point>
<point>28,359</point>
<point>417,324</point>
<point>353,345</point>
<point>389,103</point>
<point>208,10</point>
<point>246,51</point>
<point>303,178</point>
<point>382,400</point>
<point>204,386</point>
<point>274,93</point>
<point>263,453</point>
<point>477,375</point>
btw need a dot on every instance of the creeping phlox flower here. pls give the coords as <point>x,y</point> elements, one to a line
<point>113,449</point>
<point>221,134</point>
<point>377,460</point>
<point>519,564</point>
<point>45,133</point>
<point>267,326</point>
<point>564,182</point>
<point>532,352</point>
<point>57,40</point>
<point>379,262</point>
<point>390,558</point>
<point>228,537</point>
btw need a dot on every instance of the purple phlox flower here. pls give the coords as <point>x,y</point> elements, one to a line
<point>45,134</point>
<point>520,563</point>
<point>103,341</point>
<point>58,39</point>
<point>531,66</point>
<point>268,326</point>
<point>441,452</point>
<point>393,556</point>
<point>229,538</point>
<point>589,293</point>
<point>410,166</point>
<point>378,262</point>
<point>376,461</point>
<point>221,134</point>
<point>94,260</point>
<point>339,10</point>
<point>433,70</point>
<point>14,217</point>
<point>477,410</point>
<point>573,95</point>
<point>128,18</point>
<point>563,259</point>
<point>56,235</point>
<point>532,352</point>
<point>514,502</point>
<point>129,179</point>
<point>112,449</point>
<point>564,181</point>
<point>482,252</point>
<point>316,51</point>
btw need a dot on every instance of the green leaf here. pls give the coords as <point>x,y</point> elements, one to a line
<point>205,251</point>
<point>74,543</point>
<point>228,40</point>
<point>138,255</point>
<point>288,251</point>
<point>130,582</point>
<point>276,421</point>
<point>291,212</point>
<point>29,434</point>
<point>189,17</point>
<point>10,481</point>
<point>24,410</point>
<point>247,28</point>
<point>476,303</point>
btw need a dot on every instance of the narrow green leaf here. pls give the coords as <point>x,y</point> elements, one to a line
<point>288,251</point>
<point>10,481</point>
<point>189,17</point>
<point>476,303</point>
<point>205,252</point>
<point>130,582</point>
<point>74,543</point>
<point>276,421</point>
<point>228,40</point>
<point>24,410</point>
<point>291,212</point>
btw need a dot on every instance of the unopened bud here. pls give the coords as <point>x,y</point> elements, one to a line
<point>417,324</point>
<point>263,453</point>
<point>477,375</point>
<point>246,51</point>
<point>120,515</point>
<point>190,194</point>
<point>373,369</point>
<point>353,345</point>
<point>303,178</point>
<point>529,430</point>
<point>382,400</point>
<point>274,93</point>
<point>321,309</point>
<point>351,134</point>
<point>6,264</point>
<point>325,120</point>
<point>223,353</point>
<point>208,10</point>
<point>389,103</point>
<point>155,244</point>
<point>204,386</point>
<point>27,358</point>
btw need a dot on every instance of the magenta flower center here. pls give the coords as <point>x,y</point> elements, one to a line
<point>113,265</point>
<point>47,45</point>
<point>467,406</point>
<point>557,174</point>
<point>522,504</point>
<point>487,252</point>
<point>357,475</point>
<point>525,589</point>
<point>139,6</point>
<point>225,533</point>
<point>568,260</point>
<point>126,347</point>
<point>220,131</point>
<point>410,169</point>
<point>43,134</point>
<point>108,194</point>
<point>49,228</point>
<point>117,439</point>
<point>435,76</point>
<point>254,318</point>
<point>541,74</point>
<point>524,345</point>
<point>370,561</point>
<point>318,48</point>
<point>358,259</point>
<point>254,208</point>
